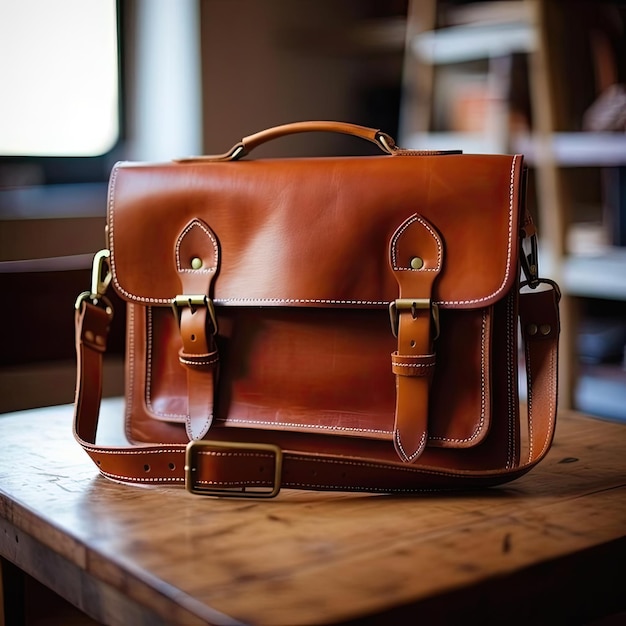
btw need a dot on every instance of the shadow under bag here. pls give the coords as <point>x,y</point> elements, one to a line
<point>344,323</point>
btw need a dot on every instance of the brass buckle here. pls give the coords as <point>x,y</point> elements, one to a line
<point>413,305</point>
<point>191,455</point>
<point>194,301</point>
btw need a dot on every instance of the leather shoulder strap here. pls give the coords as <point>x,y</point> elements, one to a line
<point>239,468</point>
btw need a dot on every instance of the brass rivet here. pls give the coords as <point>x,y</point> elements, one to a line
<point>196,263</point>
<point>100,340</point>
<point>89,335</point>
<point>532,329</point>
<point>417,263</point>
<point>545,329</point>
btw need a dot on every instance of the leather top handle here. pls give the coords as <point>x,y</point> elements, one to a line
<point>384,141</point>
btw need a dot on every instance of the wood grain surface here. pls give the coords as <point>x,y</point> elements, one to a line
<point>541,546</point>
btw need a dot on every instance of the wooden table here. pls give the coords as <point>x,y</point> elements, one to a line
<point>550,547</point>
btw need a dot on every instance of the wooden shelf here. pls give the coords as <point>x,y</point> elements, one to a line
<point>566,149</point>
<point>458,44</point>
<point>470,143</point>
<point>578,149</point>
<point>559,72</point>
<point>602,276</point>
<point>601,390</point>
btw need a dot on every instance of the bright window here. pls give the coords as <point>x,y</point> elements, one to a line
<point>59,77</point>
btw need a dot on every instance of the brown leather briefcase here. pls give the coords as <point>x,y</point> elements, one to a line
<point>322,323</point>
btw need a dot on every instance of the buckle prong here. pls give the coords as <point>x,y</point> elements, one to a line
<point>412,305</point>
<point>194,301</point>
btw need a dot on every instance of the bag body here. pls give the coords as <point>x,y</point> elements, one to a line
<point>359,314</point>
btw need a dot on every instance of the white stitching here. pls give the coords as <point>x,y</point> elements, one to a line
<point>220,419</point>
<point>369,489</point>
<point>511,379</point>
<point>400,468</point>
<point>530,399</point>
<point>403,468</point>
<point>146,479</point>
<point>191,362</point>
<point>552,394</point>
<point>111,225</point>
<point>483,400</point>
<point>325,461</point>
<point>110,203</point>
<point>150,342</point>
<point>394,244</point>
<point>196,223</point>
<point>483,384</point>
<point>311,426</point>
<point>299,301</point>
<point>414,365</point>
<point>131,371</point>
<point>149,358</point>
<point>259,301</point>
<point>256,455</point>
<point>508,253</point>
<point>290,484</point>
<point>420,446</point>
<point>321,428</point>
<point>139,451</point>
<point>230,483</point>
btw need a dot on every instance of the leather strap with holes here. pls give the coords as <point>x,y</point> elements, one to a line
<point>241,468</point>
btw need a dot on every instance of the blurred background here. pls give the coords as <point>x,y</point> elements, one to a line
<point>87,84</point>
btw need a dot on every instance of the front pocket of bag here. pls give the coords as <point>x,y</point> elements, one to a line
<point>323,370</point>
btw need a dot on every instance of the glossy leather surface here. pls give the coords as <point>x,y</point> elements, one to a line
<point>316,232</point>
<point>289,268</point>
<point>311,253</point>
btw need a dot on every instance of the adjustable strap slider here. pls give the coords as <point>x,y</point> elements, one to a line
<point>237,468</point>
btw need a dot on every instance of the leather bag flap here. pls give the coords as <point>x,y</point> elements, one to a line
<point>315,232</point>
